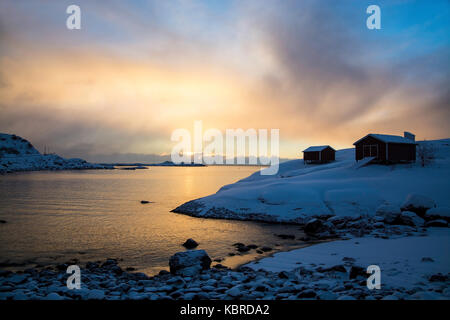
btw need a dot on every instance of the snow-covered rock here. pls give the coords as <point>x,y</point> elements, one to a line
<point>18,154</point>
<point>189,263</point>
<point>438,213</point>
<point>409,218</point>
<point>300,191</point>
<point>390,213</point>
<point>418,203</point>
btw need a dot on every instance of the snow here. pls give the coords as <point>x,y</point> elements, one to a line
<point>439,211</point>
<point>299,191</point>
<point>400,259</point>
<point>17,154</point>
<point>387,138</point>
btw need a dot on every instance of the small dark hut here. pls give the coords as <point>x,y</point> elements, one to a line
<point>319,154</point>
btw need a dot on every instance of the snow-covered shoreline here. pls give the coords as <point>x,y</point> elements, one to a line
<point>299,192</point>
<point>19,155</point>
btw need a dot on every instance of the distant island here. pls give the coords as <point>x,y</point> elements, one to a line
<point>162,164</point>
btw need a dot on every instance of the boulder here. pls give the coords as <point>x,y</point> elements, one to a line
<point>438,213</point>
<point>314,226</point>
<point>189,263</point>
<point>437,223</point>
<point>356,271</point>
<point>418,203</point>
<point>190,244</point>
<point>409,218</point>
<point>390,213</point>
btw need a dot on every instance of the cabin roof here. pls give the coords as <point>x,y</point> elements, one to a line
<point>387,138</point>
<point>317,148</point>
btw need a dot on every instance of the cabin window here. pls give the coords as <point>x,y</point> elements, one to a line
<point>370,150</point>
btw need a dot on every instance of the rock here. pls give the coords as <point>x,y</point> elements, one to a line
<point>252,246</point>
<point>96,294</point>
<point>409,218</point>
<point>390,297</point>
<point>266,249</point>
<point>17,278</point>
<point>220,266</point>
<point>427,259</point>
<point>378,225</point>
<point>356,271</point>
<point>145,201</point>
<point>190,244</point>
<point>389,213</point>
<point>2,221</point>
<point>130,269</point>
<point>306,294</point>
<point>243,249</point>
<point>436,223</point>
<point>189,263</point>
<point>315,226</point>
<point>285,236</point>
<point>53,296</point>
<point>238,244</point>
<point>336,268</point>
<point>438,277</point>
<point>438,213</point>
<point>418,203</point>
<point>345,297</point>
<point>234,292</point>
<point>163,272</point>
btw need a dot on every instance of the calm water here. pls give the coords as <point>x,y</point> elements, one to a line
<point>96,214</point>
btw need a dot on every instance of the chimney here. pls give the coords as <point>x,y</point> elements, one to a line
<point>409,135</point>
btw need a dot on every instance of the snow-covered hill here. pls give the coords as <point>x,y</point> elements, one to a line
<point>17,154</point>
<point>339,188</point>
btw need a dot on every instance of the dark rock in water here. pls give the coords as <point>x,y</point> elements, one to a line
<point>109,263</point>
<point>266,249</point>
<point>283,275</point>
<point>145,201</point>
<point>238,244</point>
<point>190,244</point>
<point>418,204</point>
<point>259,252</point>
<point>220,266</point>
<point>252,246</point>
<point>2,221</point>
<point>436,223</point>
<point>427,259</point>
<point>438,277</point>
<point>243,249</point>
<point>232,254</point>
<point>130,269</point>
<point>286,236</point>
<point>163,272</point>
<point>218,260</point>
<point>189,263</point>
<point>356,271</point>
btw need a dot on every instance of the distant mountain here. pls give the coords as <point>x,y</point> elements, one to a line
<point>18,154</point>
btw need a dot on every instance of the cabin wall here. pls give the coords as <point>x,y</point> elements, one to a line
<point>401,152</point>
<point>370,146</point>
<point>328,154</point>
<point>311,156</point>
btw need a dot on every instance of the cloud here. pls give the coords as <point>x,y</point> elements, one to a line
<point>136,72</point>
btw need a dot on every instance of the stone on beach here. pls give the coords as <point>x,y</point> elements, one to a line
<point>189,263</point>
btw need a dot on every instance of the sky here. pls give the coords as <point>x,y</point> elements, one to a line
<point>138,70</point>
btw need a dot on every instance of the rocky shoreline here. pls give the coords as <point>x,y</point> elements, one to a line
<point>191,276</point>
